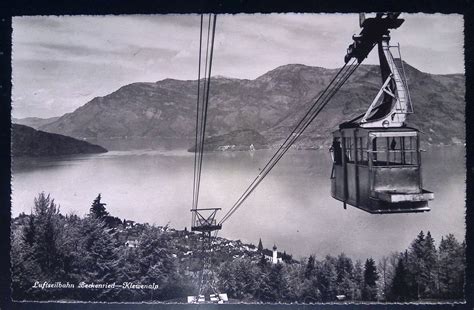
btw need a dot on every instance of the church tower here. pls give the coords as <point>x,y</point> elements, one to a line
<point>275,254</point>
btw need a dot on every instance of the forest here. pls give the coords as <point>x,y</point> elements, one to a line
<point>98,248</point>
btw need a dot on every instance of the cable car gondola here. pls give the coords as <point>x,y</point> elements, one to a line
<point>376,157</point>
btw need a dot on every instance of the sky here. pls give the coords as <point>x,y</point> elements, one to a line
<point>61,62</point>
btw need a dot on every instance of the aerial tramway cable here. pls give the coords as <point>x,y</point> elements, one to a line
<point>340,78</point>
<point>210,230</point>
<point>202,107</point>
<point>197,121</point>
<point>206,96</point>
<point>199,117</point>
<point>199,222</point>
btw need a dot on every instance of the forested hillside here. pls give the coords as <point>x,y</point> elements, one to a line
<point>99,248</point>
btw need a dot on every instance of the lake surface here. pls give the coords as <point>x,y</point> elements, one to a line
<point>291,208</point>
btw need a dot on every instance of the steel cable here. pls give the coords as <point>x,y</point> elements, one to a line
<point>310,115</point>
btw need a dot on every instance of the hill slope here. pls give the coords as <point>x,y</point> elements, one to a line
<point>27,141</point>
<point>270,104</point>
<point>34,122</point>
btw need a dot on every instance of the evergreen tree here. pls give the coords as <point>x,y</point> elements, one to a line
<point>96,257</point>
<point>24,266</point>
<point>451,267</point>
<point>399,290</point>
<point>244,280</point>
<point>344,282</point>
<point>36,249</point>
<point>230,272</point>
<point>370,280</point>
<point>68,244</point>
<point>416,266</point>
<point>287,258</point>
<point>263,291</point>
<point>461,271</point>
<point>157,262</point>
<point>393,259</point>
<point>260,245</point>
<point>309,292</point>
<point>277,283</point>
<point>97,209</point>
<point>263,263</point>
<point>45,245</point>
<point>430,258</point>
<point>327,277</point>
<point>358,276</point>
<point>310,268</point>
<point>383,271</point>
<point>29,231</point>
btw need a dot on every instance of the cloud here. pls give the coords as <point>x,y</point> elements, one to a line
<point>76,58</point>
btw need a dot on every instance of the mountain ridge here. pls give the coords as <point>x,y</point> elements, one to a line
<point>34,122</point>
<point>271,105</point>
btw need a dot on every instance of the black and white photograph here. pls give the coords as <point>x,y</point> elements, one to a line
<point>290,158</point>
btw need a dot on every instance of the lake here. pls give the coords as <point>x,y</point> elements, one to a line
<point>291,208</point>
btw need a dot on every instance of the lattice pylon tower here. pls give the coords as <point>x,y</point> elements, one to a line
<point>207,284</point>
<point>204,221</point>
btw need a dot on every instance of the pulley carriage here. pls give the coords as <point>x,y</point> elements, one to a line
<point>204,220</point>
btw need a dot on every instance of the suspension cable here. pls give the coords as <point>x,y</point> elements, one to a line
<point>202,104</point>
<point>197,121</point>
<point>206,100</point>
<point>335,84</point>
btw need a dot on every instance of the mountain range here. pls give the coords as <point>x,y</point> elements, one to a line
<point>270,105</point>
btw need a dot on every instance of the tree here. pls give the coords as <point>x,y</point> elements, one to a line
<point>237,279</point>
<point>245,281</point>
<point>383,270</point>
<point>430,265</point>
<point>263,263</point>
<point>29,231</point>
<point>260,245</point>
<point>451,267</point>
<point>24,267</point>
<point>310,268</point>
<point>370,280</point>
<point>97,209</point>
<point>263,291</point>
<point>45,249</point>
<point>392,265</point>
<point>358,276</point>
<point>96,251</point>
<point>327,277</point>
<point>277,283</point>
<point>68,245</point>
<point>416,266</point>
<point>399,290</point>
<point>344,281</point>
<point>45,246</point>
<point>226,279</point>
<point>303,289</point>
